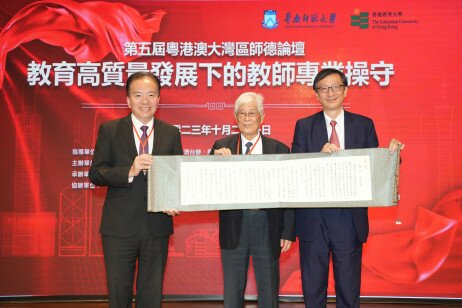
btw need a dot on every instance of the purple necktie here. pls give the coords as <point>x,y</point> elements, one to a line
<point>334,136</point>
<point>143,141</point>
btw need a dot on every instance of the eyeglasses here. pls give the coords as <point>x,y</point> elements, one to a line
<point>251,114</point>
<point>334,88</point>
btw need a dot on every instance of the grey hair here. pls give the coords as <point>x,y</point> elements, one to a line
<point>249,97</point>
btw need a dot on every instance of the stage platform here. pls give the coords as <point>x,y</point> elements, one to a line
<point>214,304</point>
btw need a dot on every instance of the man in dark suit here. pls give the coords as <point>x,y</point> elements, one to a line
<point>262,234</point>
<point>123,154</point>
<point>339,232</point>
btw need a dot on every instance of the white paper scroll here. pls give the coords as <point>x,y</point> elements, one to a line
<point>349,178</point>
<point>336,179</point>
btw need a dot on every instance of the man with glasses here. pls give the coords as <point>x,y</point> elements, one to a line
<point>262,234</point>
<point>123,154</point>
<point>336,232</point>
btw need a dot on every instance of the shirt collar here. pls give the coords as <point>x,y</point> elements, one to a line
<point>245,140</point>
<point>137,123</point>
<point>339,119</point>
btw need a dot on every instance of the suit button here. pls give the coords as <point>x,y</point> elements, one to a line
<point>144,199</point>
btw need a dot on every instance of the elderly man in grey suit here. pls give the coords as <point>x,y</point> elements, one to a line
<point>123,153</point>
<point>262,234</point>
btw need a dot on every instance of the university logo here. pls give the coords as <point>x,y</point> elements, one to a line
<point>361,19</point>
<point>270,20</point>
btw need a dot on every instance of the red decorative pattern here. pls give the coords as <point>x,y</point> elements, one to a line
<point>415,257</point>
<point>88,31</point>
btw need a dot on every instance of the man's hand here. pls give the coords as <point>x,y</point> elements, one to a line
<point>172,213</point>
<point>330,148</point>
<point>141,162</point>
<point>394,144</point>
<point>222,151</point>
<point>285,245</point>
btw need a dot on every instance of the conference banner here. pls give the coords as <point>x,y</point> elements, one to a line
<point>63,68</point>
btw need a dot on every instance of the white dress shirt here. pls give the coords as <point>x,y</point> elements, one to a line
<point>137,125</point>
<point>137,129</point>
<point>257,149</point>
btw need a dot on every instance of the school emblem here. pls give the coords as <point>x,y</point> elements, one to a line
<point>270,20</point>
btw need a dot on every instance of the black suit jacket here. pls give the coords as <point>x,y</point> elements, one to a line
<point>310,135</point>
<point>125,206</point>
<point>280,221</point>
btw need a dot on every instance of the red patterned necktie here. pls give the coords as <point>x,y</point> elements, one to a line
<point>334,136</point>
<point>144,149</point>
